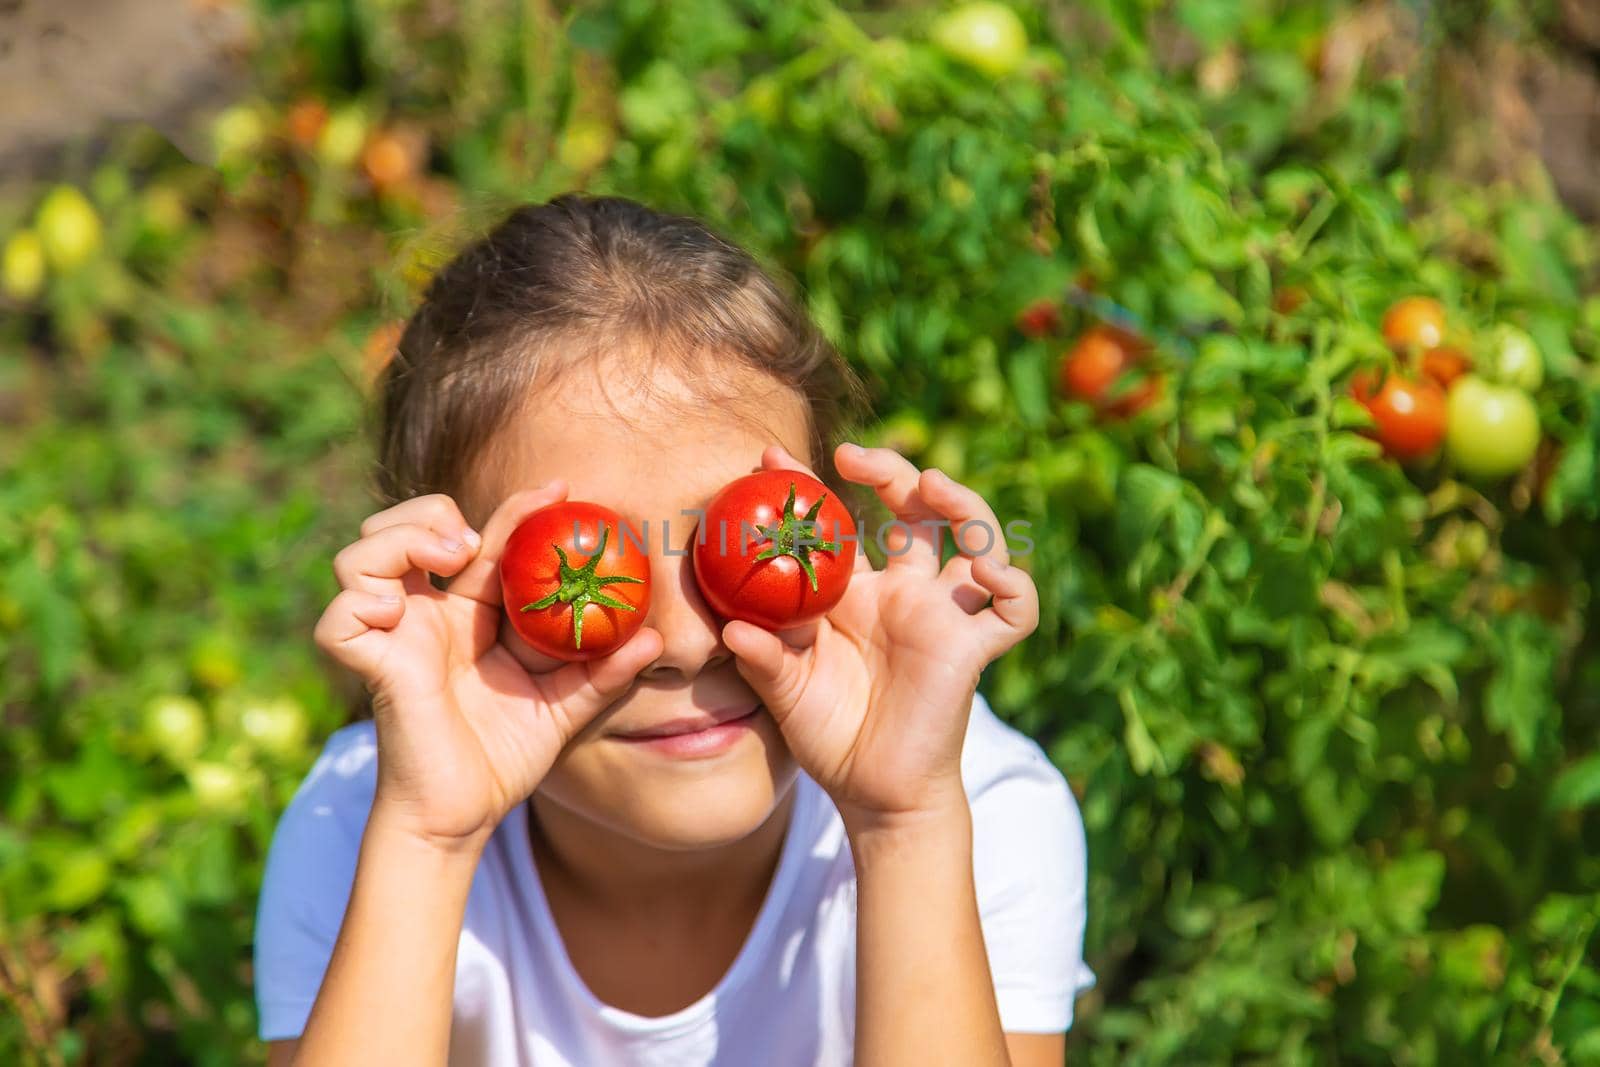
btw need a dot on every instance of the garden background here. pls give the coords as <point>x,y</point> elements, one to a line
<point>1332,720</point>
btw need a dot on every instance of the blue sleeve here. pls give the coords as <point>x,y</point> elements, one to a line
<point>309,871</point>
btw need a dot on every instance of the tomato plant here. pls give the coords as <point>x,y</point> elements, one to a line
<point>1102,369</point>
<point>1494,429</point>
<point>576,580</point>
<point>1409,413</point>
<point>775,548</point>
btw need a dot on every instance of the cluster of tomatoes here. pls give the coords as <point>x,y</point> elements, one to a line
<point>1477,406</point>
<point>774,548</point>
<point>65,234</point>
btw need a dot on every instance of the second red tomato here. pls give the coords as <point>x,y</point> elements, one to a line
<point>1409,413</point>
<point>776,549</point>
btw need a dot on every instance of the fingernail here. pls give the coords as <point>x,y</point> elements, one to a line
<point>852,448</point>
<point>389,598</point>
<point>450,545</point>
<point>472,538</point>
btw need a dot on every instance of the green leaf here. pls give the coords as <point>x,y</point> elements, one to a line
<point>1409,888</point>
<point>1578,785</point>
<point>1520,699</point>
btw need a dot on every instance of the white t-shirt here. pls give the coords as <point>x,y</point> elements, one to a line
<point>788,998</point>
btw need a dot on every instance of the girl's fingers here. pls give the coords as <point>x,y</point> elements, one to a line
<point>774,667</point>
<point>968,595</point>
<point>577,692</point>
<point>1015,610</point>
<point>377,563</point>
<point>778,458</point>
<point>436,511</point>
<point>895,479</point>
<point>972,521</point>
<point>480,580</point>
<point>349,617</point>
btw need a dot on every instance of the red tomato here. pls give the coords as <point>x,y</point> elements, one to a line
<point>1288,300</point>
<point>305,121</point>
<point>1445,365</point>
<point>1414,322</point>
<point>575,586</point>
<point>1039,319</point>
<point>392,158</point>
<point>1410,413</point>
<point>775,548</point>
<point>1102,356</point>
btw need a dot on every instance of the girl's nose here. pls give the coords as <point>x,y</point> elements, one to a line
<point>690,632</point>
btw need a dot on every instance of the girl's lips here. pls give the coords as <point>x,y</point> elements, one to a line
<point>704,736</point>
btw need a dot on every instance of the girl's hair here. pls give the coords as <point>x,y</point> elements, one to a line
<point>569,283</point>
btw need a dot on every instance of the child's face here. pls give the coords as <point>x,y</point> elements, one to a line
<point>651,461</point>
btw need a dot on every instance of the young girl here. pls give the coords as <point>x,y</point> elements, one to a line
<point>857,862</point>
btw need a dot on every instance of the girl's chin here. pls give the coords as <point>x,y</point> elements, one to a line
<point>714,810</point>
<point>681,804</point>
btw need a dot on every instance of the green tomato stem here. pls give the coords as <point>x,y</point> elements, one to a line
<point>580,587</point>
<point>797,537</point>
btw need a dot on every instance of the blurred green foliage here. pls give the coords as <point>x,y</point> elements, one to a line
<point>1333,722</point>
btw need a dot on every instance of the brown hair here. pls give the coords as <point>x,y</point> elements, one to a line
<point>560,284</point>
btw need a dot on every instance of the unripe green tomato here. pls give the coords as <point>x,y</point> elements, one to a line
<point>175,727</point>
<point>22,269</point>
<point>986,36</point>
<point>163,210</point>
<point>763,97</point>
<point>1493,429</point>
<point>219,788</point>
<point>1472,544</point>
<point>585,144</point>
<point>342,136</point>
<point>277,727</point>
<point>986,394</point>
<point>68,227</point>
<point>956,193</point>
<point>237,133</point>
<point>906,432</point>
<point>672,160</point>
<point>215,662</point>
<point>948,452</point>
<point>1512,357</point>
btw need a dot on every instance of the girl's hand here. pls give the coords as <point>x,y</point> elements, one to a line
<point>465,731</point>
<point>873,699</point>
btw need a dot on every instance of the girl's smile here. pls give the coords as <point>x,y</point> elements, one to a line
<point>698,736</point>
